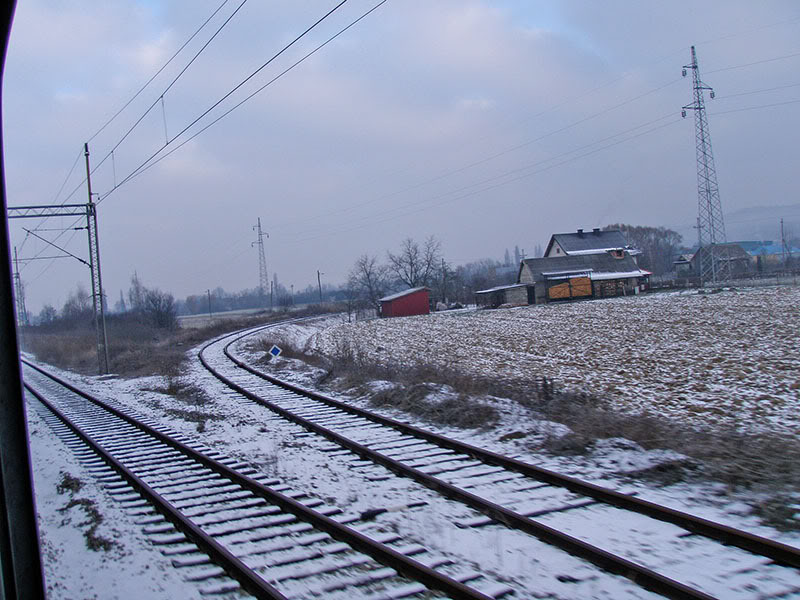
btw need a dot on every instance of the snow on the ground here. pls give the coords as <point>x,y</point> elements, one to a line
<point>129,568</point>
<point>609,462</point>
<point>729,358</point>
<point>280,449</point>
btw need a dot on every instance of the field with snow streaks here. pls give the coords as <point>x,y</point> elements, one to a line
<point>727,358</point>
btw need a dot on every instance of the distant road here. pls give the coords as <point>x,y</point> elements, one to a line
<point>204,320</point>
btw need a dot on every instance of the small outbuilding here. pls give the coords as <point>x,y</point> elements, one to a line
<point>415,301</point>
<point>518,294</point>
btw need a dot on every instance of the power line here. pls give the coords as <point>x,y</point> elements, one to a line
<point>142,166</point>
<point>177,77</point>
<point>493,156</point>
<point>161,96</point>
<point>761,91</point>
<point>735,110</point>
<point>758,62</point>
<point>157,73</point>
<point>152,161</point>
<point>366,220</point>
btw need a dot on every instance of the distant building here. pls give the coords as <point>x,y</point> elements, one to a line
<point>582,276</point>
<point>683,265</point>
<point>415,301</point>
<point>739,260</point>
<point>769,254</point>
<point>589,275</point>
<point>594,242</point>
<point>518,294</point>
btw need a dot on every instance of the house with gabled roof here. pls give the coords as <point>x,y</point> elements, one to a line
<point>594,242</point>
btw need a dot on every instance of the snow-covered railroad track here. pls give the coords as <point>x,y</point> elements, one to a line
<point>230,529</point>
<point>674,553</point>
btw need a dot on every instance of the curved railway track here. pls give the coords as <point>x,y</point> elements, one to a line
<point>673,553</point>
<point>231,529</point>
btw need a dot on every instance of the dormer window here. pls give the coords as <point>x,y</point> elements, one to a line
<point>617,253</point>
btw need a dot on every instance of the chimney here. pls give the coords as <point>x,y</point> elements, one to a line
<point>580,232</point>
<point>596,231</point>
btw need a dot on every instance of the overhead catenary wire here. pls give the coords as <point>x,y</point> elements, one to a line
<point>152,160</point>
<point>519,174</point>
<point>157,73</point>
<point>160,99</point>
<point>491,157</point>
<point>330,12</point>
<point>146,166</point>
<point>155,103</point>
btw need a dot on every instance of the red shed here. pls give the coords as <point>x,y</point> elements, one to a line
<point>404,304</point>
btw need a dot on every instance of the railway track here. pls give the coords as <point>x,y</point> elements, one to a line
<point>672,553</point>
<point>230,529</point>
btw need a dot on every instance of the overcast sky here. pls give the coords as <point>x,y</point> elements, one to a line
<point>486,124</point>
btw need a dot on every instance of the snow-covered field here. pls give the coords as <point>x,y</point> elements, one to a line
<point>728,358</point>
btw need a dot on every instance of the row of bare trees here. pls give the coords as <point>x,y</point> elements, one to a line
<point>414,265</point>
<point>144,304</point>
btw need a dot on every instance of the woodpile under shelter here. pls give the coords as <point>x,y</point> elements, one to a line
<point>589,275</point>
<point>415,301</point>
<point>518,294</point>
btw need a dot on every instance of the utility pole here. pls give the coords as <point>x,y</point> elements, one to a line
<point>783,246</point>
<point>210,316</point>
<point>262,262</point>
<point>444,282</point>
<point>714,255</point>
<point>319,284</point>
<point>271,286</point>
<point>94,266</point>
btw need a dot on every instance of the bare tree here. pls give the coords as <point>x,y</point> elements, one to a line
<point>48,314</point>
<point>136,294</point>
<point>160,307</point>
<point>78,305</point>
<point>369,280</point>
<point>415,266</point>
<point>657,244</point>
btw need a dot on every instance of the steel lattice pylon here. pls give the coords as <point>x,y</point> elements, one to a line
<point>713,260</point>
<point>263,280</point>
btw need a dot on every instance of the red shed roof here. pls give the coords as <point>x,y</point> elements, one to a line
<point>403,293</point>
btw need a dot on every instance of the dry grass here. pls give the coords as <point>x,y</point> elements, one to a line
<point>421,400</point>
<point>136,348</point>
<point>765,463</point>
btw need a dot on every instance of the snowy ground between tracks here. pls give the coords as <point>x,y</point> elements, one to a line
<point>132,568</point>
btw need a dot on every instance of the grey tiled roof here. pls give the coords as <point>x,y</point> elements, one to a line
<point>589,240</point>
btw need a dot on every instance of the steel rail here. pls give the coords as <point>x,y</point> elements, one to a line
<point>640,574</point>
<point>778,552</point>
<point>234,567</point>
<point>380,552</point>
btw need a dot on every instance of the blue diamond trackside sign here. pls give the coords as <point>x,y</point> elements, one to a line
<point>275,351</point>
